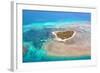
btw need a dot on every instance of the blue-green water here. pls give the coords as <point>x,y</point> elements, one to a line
<point>34,50</point>
<point>37,28</point>
<point>40,55</point>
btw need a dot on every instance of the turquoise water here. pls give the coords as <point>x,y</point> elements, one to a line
<point>37,28</point>
<point>34,51</point>
<point>40,55</point>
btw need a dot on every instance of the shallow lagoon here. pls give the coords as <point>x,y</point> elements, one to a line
<point>35,40</point>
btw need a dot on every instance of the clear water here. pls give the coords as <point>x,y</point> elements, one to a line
<point>37,28</point>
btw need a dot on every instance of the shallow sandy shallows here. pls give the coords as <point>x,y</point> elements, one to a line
<point>79,45</point>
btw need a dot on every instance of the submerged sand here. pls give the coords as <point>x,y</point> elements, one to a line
<point>79,45</point>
